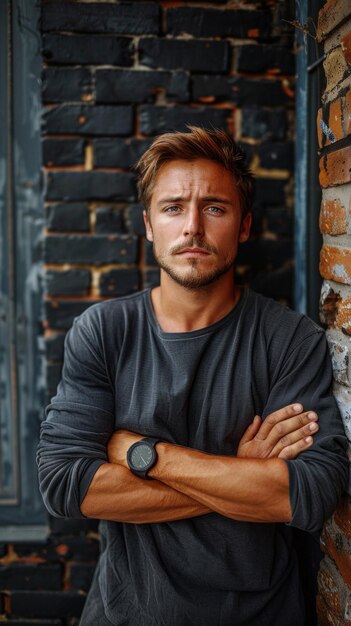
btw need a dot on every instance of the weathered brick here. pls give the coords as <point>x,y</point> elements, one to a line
<point>337,548</point>
<point>135,220</point>
<point>67,282</point>
<point>151,278</point>
<point>87,49</point>
<point>340,355</point>
<point>81,576</point>
<point>54,346</point>
<point>265,58</point>
<point>90,186</point>
<point>279,221</point>
<point>59,315</point>
<point>335,168</point>
<point>202,22</point>
<point>30,576</point>
<point>119,282</point>
<point>258,123</point>
<point>328,579</point>
<point>159,119</point>
<point>60,84</point>
<point>108,220</point>
<point>63,152</point>
<point>75,548</point>
<point>239,90</point>
<point>330,15</point>
<point>336,68</point>
<point>277,155</point>
<point>88,120</point>
<point>67,216</point>
<point>95,249</point>
<point>346,47</point>
<point>332,219</point>
<point>197,56</point>
<point>334,120</point>
<point>343,397</point>
<point>335,264</point>
<point>140,86</point>
<point>101,17</point>
<point>46,603</point>
<point>118,152</point>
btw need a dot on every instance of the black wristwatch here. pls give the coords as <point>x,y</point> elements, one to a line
<point>142,456</point>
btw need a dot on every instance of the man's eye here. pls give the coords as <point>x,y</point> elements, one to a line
<point>214,209</point>
<point>171,209</point>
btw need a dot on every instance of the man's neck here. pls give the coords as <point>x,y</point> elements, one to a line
<point>179,309</point>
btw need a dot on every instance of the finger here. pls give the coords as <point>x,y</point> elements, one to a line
<point>251,430</point>
<point>292,425</point>
<point>297,436</point>
<point>291,452</point>
<point>278,417</point>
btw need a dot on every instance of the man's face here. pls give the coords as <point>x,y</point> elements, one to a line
<point>195,221</point>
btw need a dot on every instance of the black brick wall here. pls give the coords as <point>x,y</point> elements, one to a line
<point>115,75</point>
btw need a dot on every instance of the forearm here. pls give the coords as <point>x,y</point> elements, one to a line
<point>115,494</point>
<point>253,490</point>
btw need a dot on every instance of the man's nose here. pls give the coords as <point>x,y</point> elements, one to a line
<point>193,224</point>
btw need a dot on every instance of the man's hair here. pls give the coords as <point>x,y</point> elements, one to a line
<point>199,143</point>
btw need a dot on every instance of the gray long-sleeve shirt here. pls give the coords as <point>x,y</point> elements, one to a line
<point>199,389</point>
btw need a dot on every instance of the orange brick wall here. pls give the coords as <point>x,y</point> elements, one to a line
<point>334,136</point>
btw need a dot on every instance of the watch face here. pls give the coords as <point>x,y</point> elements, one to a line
<point>141,456</point>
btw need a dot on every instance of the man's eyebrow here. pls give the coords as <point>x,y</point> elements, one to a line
<point>203,199</point>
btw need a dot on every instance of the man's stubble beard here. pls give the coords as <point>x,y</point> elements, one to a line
<point>198,279</point>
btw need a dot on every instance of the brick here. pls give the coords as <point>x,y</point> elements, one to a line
<point>151,278</point>
<point>346,47</point>
<point>101,17</point>
<point>54,346</point>
<point>342,516</point>
<point>95,249</point>
<point>60,84</point>
<point>119,282</point>
<point>88,120</point>
<point>108,221</point>
<point>279,221</point>
<point>328,578</point>
<point>63,152</point>
<point>197,56</point>
<point>72,526</point>
<point>67,216</point>
<point>239,90</point>
<point>75,548</point>
<point>343,397</point>
<point>90,186</point>
<point>81,576</point>
<point>335,264</point>
<point>265,254</point>
<point>335,168</point>
<point>270,191</point>
<point>331,14</point>
<point>337,548</point>
<point>336,68</point>
<point>53,372</point>
<point>328,304</point>
<point>140,86</point>
<point>268,59</point>
<point>334,120</point>
<point>134,219</point>
<point>118,152</point>
<point>46,603</point>
<point>213,23</point>
<point>160,119</point>
<point>340,355</point>
<point>332,220</point>
<point>87,49</point>
<point>30,576</point>
<point>59,315</point>
<point>277,155</point>
<point>68,282</point>
<point>277,284</point>
<point>258,123</point>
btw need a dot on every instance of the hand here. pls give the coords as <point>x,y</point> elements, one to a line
<point>283,434</point>
<point>118,445</point>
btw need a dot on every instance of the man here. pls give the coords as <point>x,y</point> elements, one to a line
<point>190,366</point>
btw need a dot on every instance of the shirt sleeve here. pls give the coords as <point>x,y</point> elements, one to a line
<point>318,475</point>
<point>79,421</point>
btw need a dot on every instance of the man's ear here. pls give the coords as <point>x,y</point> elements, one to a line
<point>149,234</point>
<point>245,228</point>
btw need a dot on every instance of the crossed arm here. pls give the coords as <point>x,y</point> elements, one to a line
<point>253,486</point>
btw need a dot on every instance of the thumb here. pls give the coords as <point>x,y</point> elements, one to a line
<point>251,430</point>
